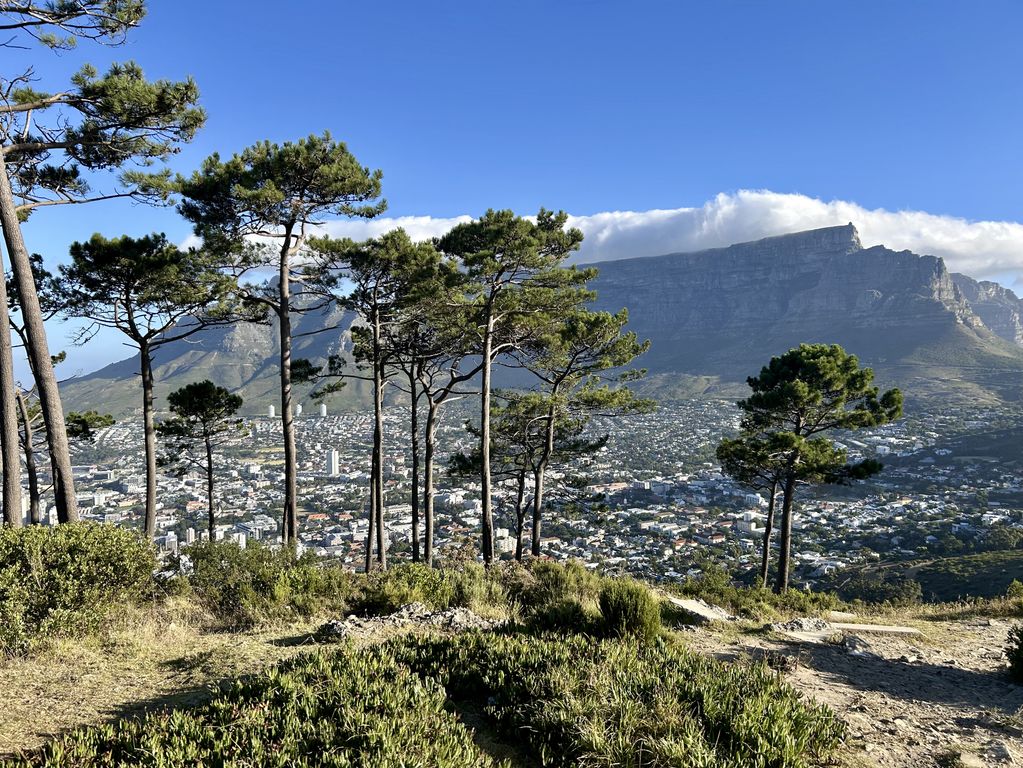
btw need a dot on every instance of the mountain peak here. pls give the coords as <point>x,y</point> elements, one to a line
<point>843,238</point>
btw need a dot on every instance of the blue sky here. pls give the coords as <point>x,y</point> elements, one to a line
<point>595,106</point>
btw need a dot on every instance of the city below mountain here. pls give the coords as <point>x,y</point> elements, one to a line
<point>713,318</point>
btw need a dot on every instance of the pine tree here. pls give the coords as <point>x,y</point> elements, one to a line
<point>515,283</point>
<point>797,399</point>
<point>576,359</point>
<point>153,293</point>
<point>378,279</point>
<point>203,418</point>
<point>274,192</point>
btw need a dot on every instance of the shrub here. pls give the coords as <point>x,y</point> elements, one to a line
<point>629,609</point>
<point>1015,590</point>
<point>881,589</point>
<point>477,587</point>
<point>243,586</point>
<point>554,596</point>
<point>1014,651</point>
<point>565,616</point>
<point>715,586</point>
<point>621,703</point>
<point>343,709</point>
<point>406,583</point>
<point>62,581</point>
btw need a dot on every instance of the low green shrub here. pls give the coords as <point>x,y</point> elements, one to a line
<point>621,703</point>
<point>243,586</point>
<point>884,588</point>
<point>628,609</point>
<point>62,580</point>
<point>564,616</point>
<point>1015,590</point>
<point>555,596</point>
<point>405,583</point>
<point>715,586</point>
<point>1014,651</point>
<point>477,587</point>
<point>343,709</point>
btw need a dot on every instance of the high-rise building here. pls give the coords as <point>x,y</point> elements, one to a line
<point>323,409</point>
<point>333,466</point>
<point>298,409</point>
<point>271,411</point>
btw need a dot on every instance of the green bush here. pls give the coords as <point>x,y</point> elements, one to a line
<point>477,587</point>
<point>1015,653</point>
<point>880,589</point>
<point>715,586</point>
<point>621,703</point>
<point>554,596</point>
<point>62,581</point>
<point>565,616</point>
<point>629,609</point>
<point>1015,590</point>
<point>406,583</point>
<point>243,586</point>
<point>343,709</point>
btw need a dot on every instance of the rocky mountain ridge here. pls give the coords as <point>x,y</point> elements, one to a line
<point>998,307</point>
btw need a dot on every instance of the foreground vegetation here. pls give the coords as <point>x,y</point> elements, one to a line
<point>586,671</point>
<point>576,702</point>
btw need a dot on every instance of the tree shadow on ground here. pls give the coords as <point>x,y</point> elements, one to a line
<point>304,638</point>
<point>912,681</point>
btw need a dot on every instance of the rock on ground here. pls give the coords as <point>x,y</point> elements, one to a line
<point>452,619</point>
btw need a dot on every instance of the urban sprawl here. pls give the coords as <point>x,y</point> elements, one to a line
<point>653,502</point>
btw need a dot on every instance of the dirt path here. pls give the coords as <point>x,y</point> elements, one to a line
<point>909,702</point>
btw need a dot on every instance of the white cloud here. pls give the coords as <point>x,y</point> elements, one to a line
<point>418,227</point>
<point>982,249</point>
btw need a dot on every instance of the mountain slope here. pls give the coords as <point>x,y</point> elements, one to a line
<point>242,357</point>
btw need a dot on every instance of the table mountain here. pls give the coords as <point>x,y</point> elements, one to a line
<point>722,313</point>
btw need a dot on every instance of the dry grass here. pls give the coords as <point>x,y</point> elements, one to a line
<point>146,658</point>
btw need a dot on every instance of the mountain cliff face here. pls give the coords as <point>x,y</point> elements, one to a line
<point>999,308</point>
<point>713,316</point>
<point>725,312</point>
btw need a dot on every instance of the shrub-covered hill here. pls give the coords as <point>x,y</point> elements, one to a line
<point>974,576</point>
<point>581,673</point>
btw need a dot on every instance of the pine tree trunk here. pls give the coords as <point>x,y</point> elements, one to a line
<point>538,480</point>
<point>414,428</point>
<point>430,439</point>
<point>768,526</point>
<point>28,435</point>
<point>209,486</point>
<point>540,474</point>
<point>520,513</point>
<point>372,513</point>
<point>9,420</point>
<point>784,562</point>
<point>378,439</point>
<point>149,433</point>
<point>39,356</point>
<point>289,523</point>
<point>486,501</point>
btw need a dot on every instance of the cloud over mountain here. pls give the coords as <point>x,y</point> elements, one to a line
<point>981,249</point>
